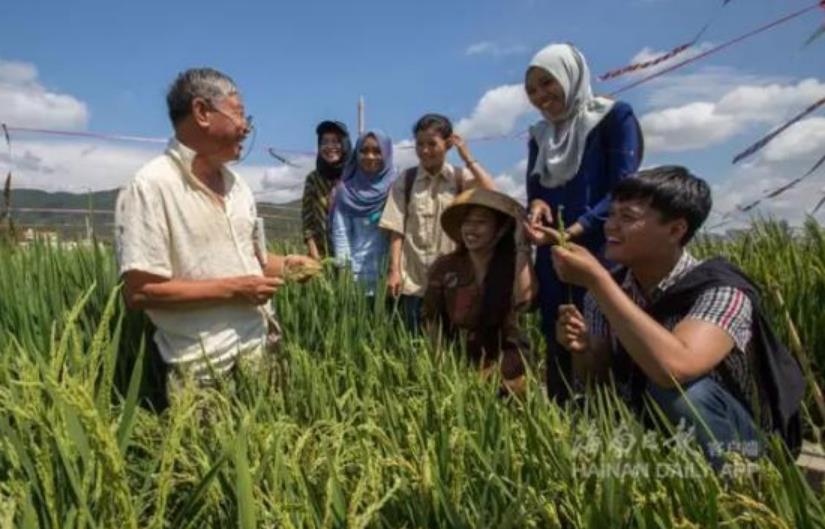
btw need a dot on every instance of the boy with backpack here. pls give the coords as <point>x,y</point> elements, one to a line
<point>412,214</point>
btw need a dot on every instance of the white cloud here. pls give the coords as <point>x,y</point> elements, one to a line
<point>404,154</point>
<point>512,185</point>
<point>278,184</point>
<point>77,166</point>
<point>649,54</point>
<point>511,181</point>
<point>80,164</point>
<point>791,155</point>
<point>25,102</point>
<point>772,102</point>
<point>709,83</point>
<point>712,105</point>
<point>746,184</point>
<point>494,49</point>
<point>496,112</point>
<point>702,124</point>
<point>74,165</point>
<point>17,72</point>
<point>806,138</point>
<point>691,126</point>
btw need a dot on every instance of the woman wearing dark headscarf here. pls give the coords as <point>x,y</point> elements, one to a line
<point>578,152</point>
<point>359,201</point>
<point>333,151</point>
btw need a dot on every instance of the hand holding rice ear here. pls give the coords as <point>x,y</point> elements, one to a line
<point>574,264</point>
<point>299,268</point>
<point>454,215</point>
<point>541,235</point>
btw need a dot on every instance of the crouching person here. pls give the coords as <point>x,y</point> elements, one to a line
<point>477,291</point>
<point>185,239</point>
<point>687,334</point>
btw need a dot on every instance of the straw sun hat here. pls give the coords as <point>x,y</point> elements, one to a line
<point>454,215</point>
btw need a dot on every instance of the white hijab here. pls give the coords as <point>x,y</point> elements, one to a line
<point>561,145</point>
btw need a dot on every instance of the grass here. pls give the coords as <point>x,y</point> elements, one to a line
<point>358,424</point>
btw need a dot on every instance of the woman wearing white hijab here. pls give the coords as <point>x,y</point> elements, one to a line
<point>577,153</point>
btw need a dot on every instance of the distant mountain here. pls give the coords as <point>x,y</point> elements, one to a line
<point>37,198</point>
<point>41,209</point>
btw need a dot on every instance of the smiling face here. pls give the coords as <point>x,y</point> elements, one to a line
<point>331,148</point>
<point>637,233</point>
<point>370,158</point>
<point>545,93</point>
<point>431,148</point>
<point>480,229</point>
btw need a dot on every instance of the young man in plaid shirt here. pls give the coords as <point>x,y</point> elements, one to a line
<point>687,334</point>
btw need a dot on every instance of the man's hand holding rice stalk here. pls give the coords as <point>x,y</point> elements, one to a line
<point>298,269</point>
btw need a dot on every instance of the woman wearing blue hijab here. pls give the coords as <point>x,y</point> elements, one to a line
<point>359,201</point>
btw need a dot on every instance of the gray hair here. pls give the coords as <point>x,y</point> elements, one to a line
<point>207,83</point>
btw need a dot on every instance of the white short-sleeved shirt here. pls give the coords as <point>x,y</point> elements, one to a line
<point>168,223</point>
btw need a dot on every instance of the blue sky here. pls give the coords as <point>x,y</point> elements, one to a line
<point>104,67</point>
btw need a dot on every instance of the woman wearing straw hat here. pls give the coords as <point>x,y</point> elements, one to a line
<point>583,146</point>
<point>479,289</point>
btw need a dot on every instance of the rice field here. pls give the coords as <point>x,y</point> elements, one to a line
<point>356,424</point>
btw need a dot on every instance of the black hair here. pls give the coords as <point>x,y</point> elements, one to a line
<point>331,126</point>
<point>498,283</point>
<point>673,191</point>
<point>438,122</point>
<point>497,296</point>
<point>330,171</point>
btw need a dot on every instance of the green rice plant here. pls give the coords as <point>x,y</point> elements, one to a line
<point>359,425</point>
<point>792,264</point>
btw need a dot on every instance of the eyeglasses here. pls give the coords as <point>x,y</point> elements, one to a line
<point>247,119</point>
<point>248,126</point>
<point>330,143</point>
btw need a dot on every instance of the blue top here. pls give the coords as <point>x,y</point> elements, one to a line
<point>612,152</point>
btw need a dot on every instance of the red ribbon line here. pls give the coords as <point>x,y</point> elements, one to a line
<point>717,49</point>
<point>767,139</point>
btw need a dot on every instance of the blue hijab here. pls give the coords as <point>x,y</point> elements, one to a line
<point>360,194</point>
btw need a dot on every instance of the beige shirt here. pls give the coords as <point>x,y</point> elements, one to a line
<point>424,240</point>
<point>168,223</point>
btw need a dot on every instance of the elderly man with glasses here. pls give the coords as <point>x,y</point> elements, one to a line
<point>187,237</point>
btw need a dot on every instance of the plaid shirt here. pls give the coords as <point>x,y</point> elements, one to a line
<point>726,307</point>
